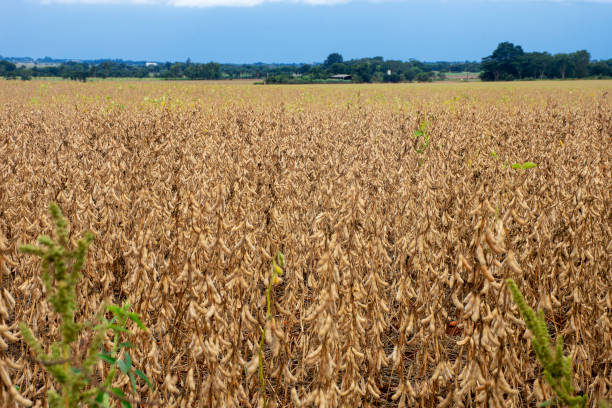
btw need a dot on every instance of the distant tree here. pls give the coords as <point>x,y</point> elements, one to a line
<point>317,72</point>
<point>502,63</point>
<point>338,68</point>
<point>563,65</point>
<point>394,77</point>
<point>539,64</point>
<point>362,72</point>
<point>104,70</point>
<point>333,58</point>
<point>176,70</point>
<point>203,71</point>
<point>423,77</point>
<point>6,68</point>
<point>581,60</point>
<point>601,68</point>
<point>304,69</point>
<point>412,73</point>
<point>25,74</point>
<point>75,71</point>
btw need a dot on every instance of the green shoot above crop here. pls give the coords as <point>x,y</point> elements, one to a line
<point>72,367</point>
<point>557,367</point>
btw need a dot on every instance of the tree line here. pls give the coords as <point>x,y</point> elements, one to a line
<point>109,69</point>
<point>507,62</point>
<point>374,69</point>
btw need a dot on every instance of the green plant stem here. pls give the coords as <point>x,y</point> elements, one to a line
<point>276,271</point>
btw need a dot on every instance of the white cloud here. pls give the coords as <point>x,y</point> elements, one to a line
<point>248,3</point>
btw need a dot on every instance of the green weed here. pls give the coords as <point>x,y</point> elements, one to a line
<point>72,367</point>
<point>557,367</point>
<point>524,166</point>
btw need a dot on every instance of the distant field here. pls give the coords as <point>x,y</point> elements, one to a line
<point>462,76</point>
<point>397,208</point>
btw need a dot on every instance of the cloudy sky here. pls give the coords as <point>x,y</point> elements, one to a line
<point>299,30</point>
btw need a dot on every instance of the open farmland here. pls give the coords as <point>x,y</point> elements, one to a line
<point>397,208</point>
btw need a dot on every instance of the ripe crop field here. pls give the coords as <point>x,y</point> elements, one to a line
<point>400,211</point>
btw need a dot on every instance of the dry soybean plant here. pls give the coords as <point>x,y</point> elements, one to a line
<point>399,226</point>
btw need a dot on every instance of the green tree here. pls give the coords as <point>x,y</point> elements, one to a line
<point>581,60</point>
<point>423,77</point>
<point>501,65</point>
<point>563,65</point>
<point>338,68</point>
<point>601,68</point>
<point>176,70</point>
<point>25,74</point>
<point>7,68</point>
<point>362,72</point>
<point>333,58</point>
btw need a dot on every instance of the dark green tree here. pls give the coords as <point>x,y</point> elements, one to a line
<point>501,65</point>
<point>7,68</point>
<point>581,62</point>
<point>563,66</point>
<point>333,58</point>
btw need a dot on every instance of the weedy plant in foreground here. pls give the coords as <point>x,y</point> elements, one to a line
<point>73,369</point>
<point>421,132</point>
<point>557,367</point>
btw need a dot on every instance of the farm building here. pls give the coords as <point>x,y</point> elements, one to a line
<point>345,77</point>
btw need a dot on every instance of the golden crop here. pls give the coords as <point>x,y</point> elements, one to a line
<point>397,248</point>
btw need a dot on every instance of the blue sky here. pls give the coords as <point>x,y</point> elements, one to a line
<point>242,31</point>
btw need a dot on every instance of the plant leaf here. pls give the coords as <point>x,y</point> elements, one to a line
<point>133,381</point>
<point>136,319</point>
<point>144,377</point>
<point>115,309</point>
<point>126,344</point>
<point>119,393</point>
<point>123,366</point>
<point>103,399</point>
<point>107,358</point>
<point>529,165</point>
<point>117,328</point>
<point>128,361</point>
